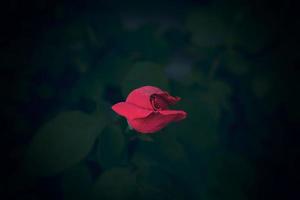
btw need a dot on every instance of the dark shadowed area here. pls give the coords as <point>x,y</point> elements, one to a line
<point>65,63</point>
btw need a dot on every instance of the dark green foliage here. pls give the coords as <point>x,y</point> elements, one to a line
<point>220,57</point>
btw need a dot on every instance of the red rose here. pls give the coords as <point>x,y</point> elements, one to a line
<point>147,109</point>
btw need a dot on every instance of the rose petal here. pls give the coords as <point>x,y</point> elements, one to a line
<point>157,120</point>
<point>170,99</point>
<point>130,111</point>
<point>178,114</point>
<point>141,96</point>
<point>158,102</point>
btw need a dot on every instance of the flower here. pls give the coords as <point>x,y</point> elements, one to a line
<point>147,109</point>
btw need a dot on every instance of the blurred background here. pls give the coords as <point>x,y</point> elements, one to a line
<point>65,63</point>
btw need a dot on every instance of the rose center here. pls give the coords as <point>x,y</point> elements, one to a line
<point>158,103</point>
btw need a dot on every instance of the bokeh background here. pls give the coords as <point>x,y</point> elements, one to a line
<point>233,63</point>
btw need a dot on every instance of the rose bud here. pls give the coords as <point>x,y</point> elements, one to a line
<point>147,109</point>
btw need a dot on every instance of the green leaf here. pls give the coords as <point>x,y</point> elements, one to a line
<point>81,63</point>
<point>105,28</point>
<point>112,68</point>
<point>110,146</point>
<point>88,87</point>
<point>250,33</point>
<point>145,138</point>
<point>171,148</point>
<point>146,43</point>
<point>200,132</point>
<point>204,106</point>
<point>230,24</point>
<point>230,176</point>
<point>142,160</point>
<point>216,97</point>
<point>155,183</point>
<point>116,183</point>
<point>76,183</point>
<point>207,28</point>
<point>144,73</point>
<point>235,63</point>
<point>221,90</point>
<point>62,142</point>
